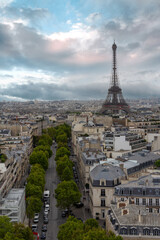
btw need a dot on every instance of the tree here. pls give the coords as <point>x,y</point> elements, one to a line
<point>33,190</point>
<point>61,165</point>
<point>61,152</point>
<point>51,132</point>
<point>46,139</point>
<point>96,234</point>
<point>20,232</point>
<point>90,223</point>
<point>67,194</point>
<point>72,230</point>
<point>37,168</point>
<point>3,157</point>
<point>157,163</point>
<point>5,226</point>
<point>62,144</point>
<point>40,158</point>
<point>61,138</point>
<point>34,205</point>
<point>67,174</point>
<point>45,149</point>
<point>37,179</point>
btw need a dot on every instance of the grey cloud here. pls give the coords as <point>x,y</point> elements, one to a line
<point>133,45</point>
<point>33,15</point>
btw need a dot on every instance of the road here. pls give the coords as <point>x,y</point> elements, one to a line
<point>54,217</point>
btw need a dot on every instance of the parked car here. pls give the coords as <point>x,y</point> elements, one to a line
<point>44,228</point>
<point>34,227</point>
<point>45,211</point>
<point>47,207</point>
<point>45,216</point>
<point>63,214</point>
<point>79,204</point>
<point>36,220</point>
<point>36,215</point>
<point>43,235</point>
<point>45,220</point>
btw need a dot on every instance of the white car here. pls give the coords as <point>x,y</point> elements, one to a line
<point>46,212</point>
<point>47,207</point>
<point>36,215</point>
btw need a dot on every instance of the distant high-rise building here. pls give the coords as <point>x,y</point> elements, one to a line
<point>114,102</point>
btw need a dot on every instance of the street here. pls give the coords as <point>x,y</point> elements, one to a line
<point>54,217</point>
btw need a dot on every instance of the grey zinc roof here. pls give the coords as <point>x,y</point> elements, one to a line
<point>107,172</point>
<point>147,219</point>
<point>92,156</point>
<point>149,181</point>
<point>142,156</point>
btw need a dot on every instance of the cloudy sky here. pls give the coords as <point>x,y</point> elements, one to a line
<point>61,49</point>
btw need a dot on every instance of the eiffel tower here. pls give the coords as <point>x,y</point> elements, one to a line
<point>114,102</point>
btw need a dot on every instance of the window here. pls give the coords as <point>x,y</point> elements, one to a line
<point>156,232</point>
<point>103,203</point>
<point>102,183</point>
<point>157,202</point>
<point>150,201</point>
<point>150,210</point>
<point>102,192</point>
<point>103,213</point>
<point>146,231</point>
<point>133,231</point>
<point>137,201</point>
<point>143,201</point>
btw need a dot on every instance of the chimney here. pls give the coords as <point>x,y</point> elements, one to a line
<point>121,166</point>
<point>146,182</point>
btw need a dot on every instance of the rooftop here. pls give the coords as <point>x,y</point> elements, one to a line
<point>107,172</point>
<point>132,218</point>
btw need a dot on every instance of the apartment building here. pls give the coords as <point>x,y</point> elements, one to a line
<point>103,178</point>
<point>13,206</point>
<point>135,210</point>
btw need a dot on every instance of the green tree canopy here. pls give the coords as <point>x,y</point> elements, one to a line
<point>62,144</point>
<point>40,158</point>
<point>61,165</point>
<point>157,163</point>
<point>67,194</point>
<point>72,230</point>
<point>43,148</point>
<point>33,190</point>
<point>37,168</point>
<point>61,138</point>
<point>90,224</point>
<point>20,232</point>
<point>61,152</point>
<point>34,205</point>
<point>37,179</point>
<point>67,174</point>
<point>46,138</point>
<point>3,157</point>
<point>5,226</point>
<point>51,132</point>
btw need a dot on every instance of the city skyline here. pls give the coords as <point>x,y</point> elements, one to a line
<point>62,49</point>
